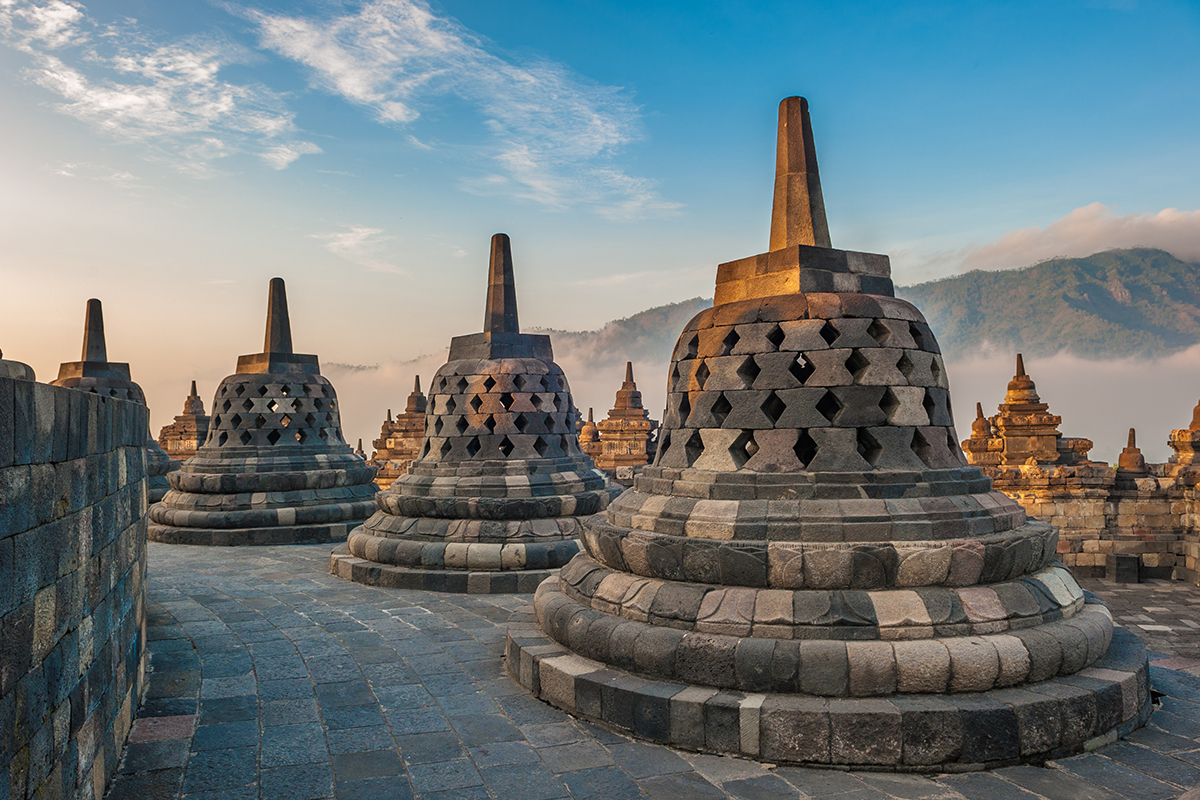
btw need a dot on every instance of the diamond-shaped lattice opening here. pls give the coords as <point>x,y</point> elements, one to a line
<point>776,336</point>
<point>285,421</point>
<point>519,382</point>
<point>327,391</point>
<point>240,390</point>
<point>506,400</point>
<point>538,385</point>
<point>461,386</point>
<point>749,371</point>
<point>921,447</point>
<point>805,448</point>
<point>674,373</point>
<point>450,405</point>
<point>743,448</point>
<point>446,448</point>
<point>262,391</point>
<point>889,404</point>
<point>310,420</point>
<point>260,421</point>
<point>333,405</point>
<point>301,436</point>
<point>473,446</point>
<point>663,445</point>
<point>324,434</point>
<point>539,444</point>
<point>425,449</point>
<point>729,342</point>
<point>694,448</point>
<point>236,420</point>
<point>111,392</point>
<point>930,406</point>
<point>918,335</point>
<point>437,426</point>
<point>720,410</point>
<point>801,369</point>
<point>693,346</point>
<point>506,447</point>
<point>685,408</point>
<point>878,331</point>
<point>461,426</point>
<point>222,439</point>
<point>488,383</point>
<point>829,406</point>
<point>272,406</point>
<point>869,447</point>
<point>490,424</point>
<point>857,365</point>
<point>701,375</point>
<point>905,365</point>
<point>226,405</point>
<point>475,403</point>
<point>285,390</point>
<point>953,446</point>
<point>318,403</point>
<point>520,423</point>
<point>245,437</point>
<point>557,401</point>
<point>307,389</point>
<point>829,333</point>
<point>273,436</point>
<point>773,407</point>
<point>536,401</point>
<point>215,421</point>
<point>247,404</point>
<point>935,369</point>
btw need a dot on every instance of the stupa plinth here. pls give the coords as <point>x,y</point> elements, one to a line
<point>183,437</point>
<point>400,440</point>
<point>274,468</point>
<point>810,572</point>
<point>96,374</point>
<point>495,499</point>
<point>625,434</point>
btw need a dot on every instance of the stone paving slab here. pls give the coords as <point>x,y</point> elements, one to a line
<point>273,679</point>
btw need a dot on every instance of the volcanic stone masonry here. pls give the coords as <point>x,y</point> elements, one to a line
<point>400,440</point>
<point>73,494</point>
<point>96,374</point>
<point>810,572</point>
<point>626,436</point>
<point>274,468</point>
<point>1125,522</point>
<point>493,503</point>
<point>183,437</point>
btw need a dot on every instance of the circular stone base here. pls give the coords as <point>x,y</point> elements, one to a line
<point>905,733</point>
<point>297,534</point>
<point>359,570</point>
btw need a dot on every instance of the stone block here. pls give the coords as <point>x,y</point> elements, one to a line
<point>865,732</point>
<point>1121,568</point>
<point>795,729</point>
<point>931,729</point>
<point>990,731</point>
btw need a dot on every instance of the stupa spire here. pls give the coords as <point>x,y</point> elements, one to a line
<point>1020,366</point>
<point>798,214</point>
<point>94,349</point>
<point>279,326</point>
<point>193,394</point>
<point>629,372</point>
<point>500,316</point>
<point>416,384</point>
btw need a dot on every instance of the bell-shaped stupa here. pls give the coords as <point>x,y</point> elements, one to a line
<point>274,468</point>
<point>96,374</point>
<point>810,572</point>
<point>493,502</point>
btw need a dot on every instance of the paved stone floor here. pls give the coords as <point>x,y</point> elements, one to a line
<point>273,680</point>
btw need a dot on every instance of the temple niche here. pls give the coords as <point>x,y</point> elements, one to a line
<point>275,468</point>
<point>627,434</point>
<point>96,374</point>
<point>400,439</point>
<point>183,437</point>
<point>810,572</point>
<point>494,501</point>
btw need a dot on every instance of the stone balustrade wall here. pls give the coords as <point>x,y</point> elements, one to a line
<point>73,499</point>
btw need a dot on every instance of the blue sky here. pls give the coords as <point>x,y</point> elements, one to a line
<point>171,158</point>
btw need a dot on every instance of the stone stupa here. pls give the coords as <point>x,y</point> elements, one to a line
<point>589,437</point>
<point>274,468</point>
<point>400,439</point>
<point>810,572</point>
<point>494,501</point>
<point>626,432</point>
<point>184,436</point>
<point>96,374</point>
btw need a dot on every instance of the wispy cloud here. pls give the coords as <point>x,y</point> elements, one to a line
<point>360,245</point>
<point>119,178</point>
<point>1086,230</point>
<point>552,133</point>
<point>169,97</point>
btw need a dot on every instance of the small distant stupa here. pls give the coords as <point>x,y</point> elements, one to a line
<point>626,434</point>
<point>183,437</point>
<point>400,439</point>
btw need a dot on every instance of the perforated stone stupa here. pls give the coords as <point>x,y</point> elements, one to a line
<point>274,468</point>
<point>400,439</point>
<point>810,572</point>
<point>96,374</point>
<point>494,502</point>
<point>183,437</point>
